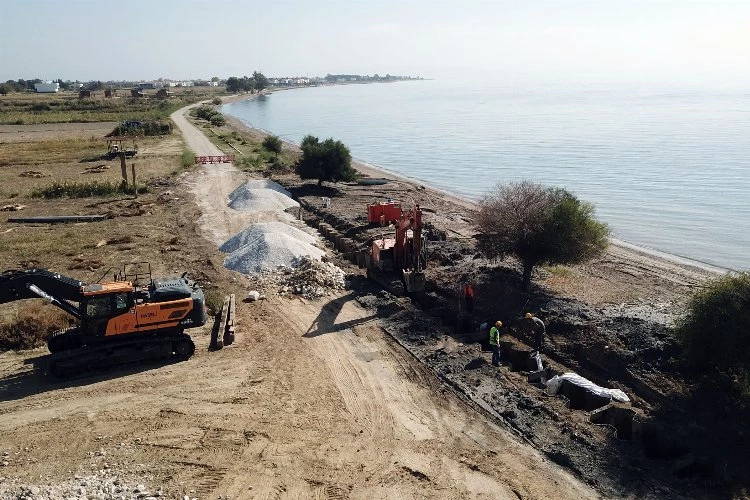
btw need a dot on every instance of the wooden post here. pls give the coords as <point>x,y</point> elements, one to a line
<point>124,168</point>
<point>135,186</point>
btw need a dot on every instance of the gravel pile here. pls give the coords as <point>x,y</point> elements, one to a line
<point>261,196</point>
<point>269,252</point>
<point>313,279</point>
<point>252,233</point>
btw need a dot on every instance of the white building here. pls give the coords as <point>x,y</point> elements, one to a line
<point>47,87</point>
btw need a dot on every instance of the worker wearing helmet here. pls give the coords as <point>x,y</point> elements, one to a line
<point>536,327</point>
<point>495,342</point>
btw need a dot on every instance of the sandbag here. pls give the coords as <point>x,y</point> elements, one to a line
<point>553,386</point>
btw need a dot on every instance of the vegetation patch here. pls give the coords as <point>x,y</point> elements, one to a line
<point>150,127</point>
<point>187,158</point>
<point>31,325</point>
<point>84,190</point>
<point>715,330</point>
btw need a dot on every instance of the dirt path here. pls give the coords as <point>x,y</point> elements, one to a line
<point>314,400</point>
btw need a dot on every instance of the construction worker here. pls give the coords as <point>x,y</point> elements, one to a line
<point>469,297</point>
<point>495,342</point>
<point>534,325</point>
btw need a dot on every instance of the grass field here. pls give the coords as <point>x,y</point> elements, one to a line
<point>66,107</point>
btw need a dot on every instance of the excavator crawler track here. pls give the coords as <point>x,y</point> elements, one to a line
<point>81,360</point>
<point>63,340</point>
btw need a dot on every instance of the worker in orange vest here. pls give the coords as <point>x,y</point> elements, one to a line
<point>469,297</point>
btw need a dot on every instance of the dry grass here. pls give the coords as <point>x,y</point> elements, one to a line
<point>30,326</point>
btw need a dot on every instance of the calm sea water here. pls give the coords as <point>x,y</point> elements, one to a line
<point>666,169</point>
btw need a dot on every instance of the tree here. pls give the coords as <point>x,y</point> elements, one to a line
<point>233,84</point>
<point>5,89</point>
<point>714,332</point>
<point>214,78</point>
<point>326,161</point>
<point>273,144</point>
<point>539,225</point>
<point>261,81</point>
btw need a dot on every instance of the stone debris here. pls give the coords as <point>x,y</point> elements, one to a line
<point>261,196</point>
<point>101,485</point>
<point>255,231</point>
<point>313,279</point>
<point>12,208</point>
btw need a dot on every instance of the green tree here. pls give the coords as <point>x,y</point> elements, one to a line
<point>326,161</point>
<point>714,332</point>
<point>539,225</point>
<point>5,89</point>
<point>261,81</point>
<point>233,84</point>
<point>273,144</point>
<point>214,78</point>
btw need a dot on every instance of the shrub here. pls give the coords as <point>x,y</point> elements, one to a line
<point>187,159</point>
<point>714,332</point>
<point>217,120</point>
<point>31,326</point>
<point>216,100</point>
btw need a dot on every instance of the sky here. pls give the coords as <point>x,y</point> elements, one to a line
<point>562,40</point>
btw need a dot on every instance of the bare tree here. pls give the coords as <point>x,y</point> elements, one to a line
<point>539,225</point>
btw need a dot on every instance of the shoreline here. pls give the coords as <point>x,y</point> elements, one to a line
<point>632,251</point>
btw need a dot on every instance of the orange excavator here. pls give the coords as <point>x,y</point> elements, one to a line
<point>405,254</point>
<point>131,318</point>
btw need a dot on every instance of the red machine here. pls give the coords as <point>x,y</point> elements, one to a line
<point>404,254</point>
<point>384,213</point>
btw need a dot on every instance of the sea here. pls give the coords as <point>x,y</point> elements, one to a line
<point>667,168</point>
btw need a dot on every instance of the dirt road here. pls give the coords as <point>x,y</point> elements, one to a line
<point>314,400</point>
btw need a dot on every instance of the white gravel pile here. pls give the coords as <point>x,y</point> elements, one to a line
<point>269,252</point>
<point>255,231</point>
<point>261,196</point>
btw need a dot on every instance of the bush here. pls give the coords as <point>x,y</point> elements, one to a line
<point>714,332</point>
<point>84,189</point>
<point>31,326</point>
<point>187,159</point>
<point>217,120</point>
<point>216,100</point>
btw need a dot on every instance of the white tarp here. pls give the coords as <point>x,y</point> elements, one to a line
<point>553,386</point>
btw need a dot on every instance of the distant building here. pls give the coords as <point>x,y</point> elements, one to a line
<point>47,87</point>
<point>146,85</point>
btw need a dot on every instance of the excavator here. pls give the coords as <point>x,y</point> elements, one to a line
<point>405,254</point>
<point>134,317</point>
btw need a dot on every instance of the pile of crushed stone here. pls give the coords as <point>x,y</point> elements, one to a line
<point>313,279</point>
<point>261,196</point>
<point>255,231</point>
<point>269,252</point>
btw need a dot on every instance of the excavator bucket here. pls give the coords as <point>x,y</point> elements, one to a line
<point>415,281</point>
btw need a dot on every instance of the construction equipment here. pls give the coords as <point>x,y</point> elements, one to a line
<point>403,255</point>
<point>134,317</point>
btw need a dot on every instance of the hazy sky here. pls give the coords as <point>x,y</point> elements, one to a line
<point>632,40</point>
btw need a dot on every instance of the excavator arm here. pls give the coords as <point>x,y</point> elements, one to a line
<point>59,290</point>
